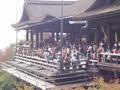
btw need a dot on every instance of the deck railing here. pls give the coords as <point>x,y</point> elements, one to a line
<point>52,65</point>
<point>111,58</point>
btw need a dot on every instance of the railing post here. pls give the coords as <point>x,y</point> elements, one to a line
<point>60,66</point>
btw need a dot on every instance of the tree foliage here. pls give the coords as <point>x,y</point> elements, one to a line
<point>7,82</point>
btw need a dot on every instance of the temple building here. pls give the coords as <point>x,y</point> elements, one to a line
<point>45,16</point>
<point>103,22</point>
<point>78,27</point>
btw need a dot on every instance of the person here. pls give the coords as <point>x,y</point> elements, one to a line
<point>115,48</point>
<point>67,62</point>
<point>100,50</point>
<point>101,43</point>
<point>94,46</point>
<point>59,62</point>
<point>74,59</point>
<point>89,52</point>
<point>46,53</point>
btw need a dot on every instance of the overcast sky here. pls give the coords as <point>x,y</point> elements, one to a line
<point>10,13</point>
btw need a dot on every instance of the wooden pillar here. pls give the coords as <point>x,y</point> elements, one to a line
<point>67,36</point>
<point>77,37</point>
<point>99,33</point>
<point>27,35</point>
<point>57,36</point>
<point>37,39</point>
<point>112,38</point>
<point>116,36</point>
<point>31,38</point>
<point>95,37</point>
<point>88,36</point>
<point>108,36</point>
<point>72,37</point>
<point>41,37</point>
<point>53,36</point>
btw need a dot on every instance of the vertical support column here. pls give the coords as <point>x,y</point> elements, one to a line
<point>41,37</point>
<point>77,37</point>
<point>99,35</point>
<point>53,36</point>
<point>27,35</point>
<point>80,37</point>
<point>31,35</point>
<point>104,33</point>
<point>71,38</point>
<point>116,36</point>
<point>112,37</point>
<point>95,37</point>
<point>57,36</point>
<point>88,36</point>
<point>37,39</point>
<point>67,36</point>
<point>108,36</point>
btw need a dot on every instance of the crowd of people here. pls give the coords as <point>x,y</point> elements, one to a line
<point>66,51</point>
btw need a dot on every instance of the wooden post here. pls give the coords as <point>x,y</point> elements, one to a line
<point>41,37</point>
<point>37,39</point>
<point>108,36</point>
<point>31,37</point>
<point>95,36</point>
<point>71,38</point>
<point>87,36</point>
<point>116,37</point>
<point>53,36</point>
<point>98,35</point>
<point>57,36</point>
<point>67,35</point>
<point>27,35</point>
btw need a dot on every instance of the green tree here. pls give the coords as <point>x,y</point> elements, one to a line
<point>7,82</point>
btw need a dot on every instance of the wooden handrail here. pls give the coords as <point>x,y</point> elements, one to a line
<point>111,54</point>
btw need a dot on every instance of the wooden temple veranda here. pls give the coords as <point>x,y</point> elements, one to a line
<point>103,25</point>
<point>95,21</point>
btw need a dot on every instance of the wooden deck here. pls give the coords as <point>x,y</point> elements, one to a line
<point>80,76</point>
<point>109,66</point>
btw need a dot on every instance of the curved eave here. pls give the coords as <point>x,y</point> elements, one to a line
<point>100,3</point>
<point>33,12</point>
<point>99,12</point>
<point>19,25</point>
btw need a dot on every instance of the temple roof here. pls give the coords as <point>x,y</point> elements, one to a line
<point>107,9</point>
<point>47,10</point>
